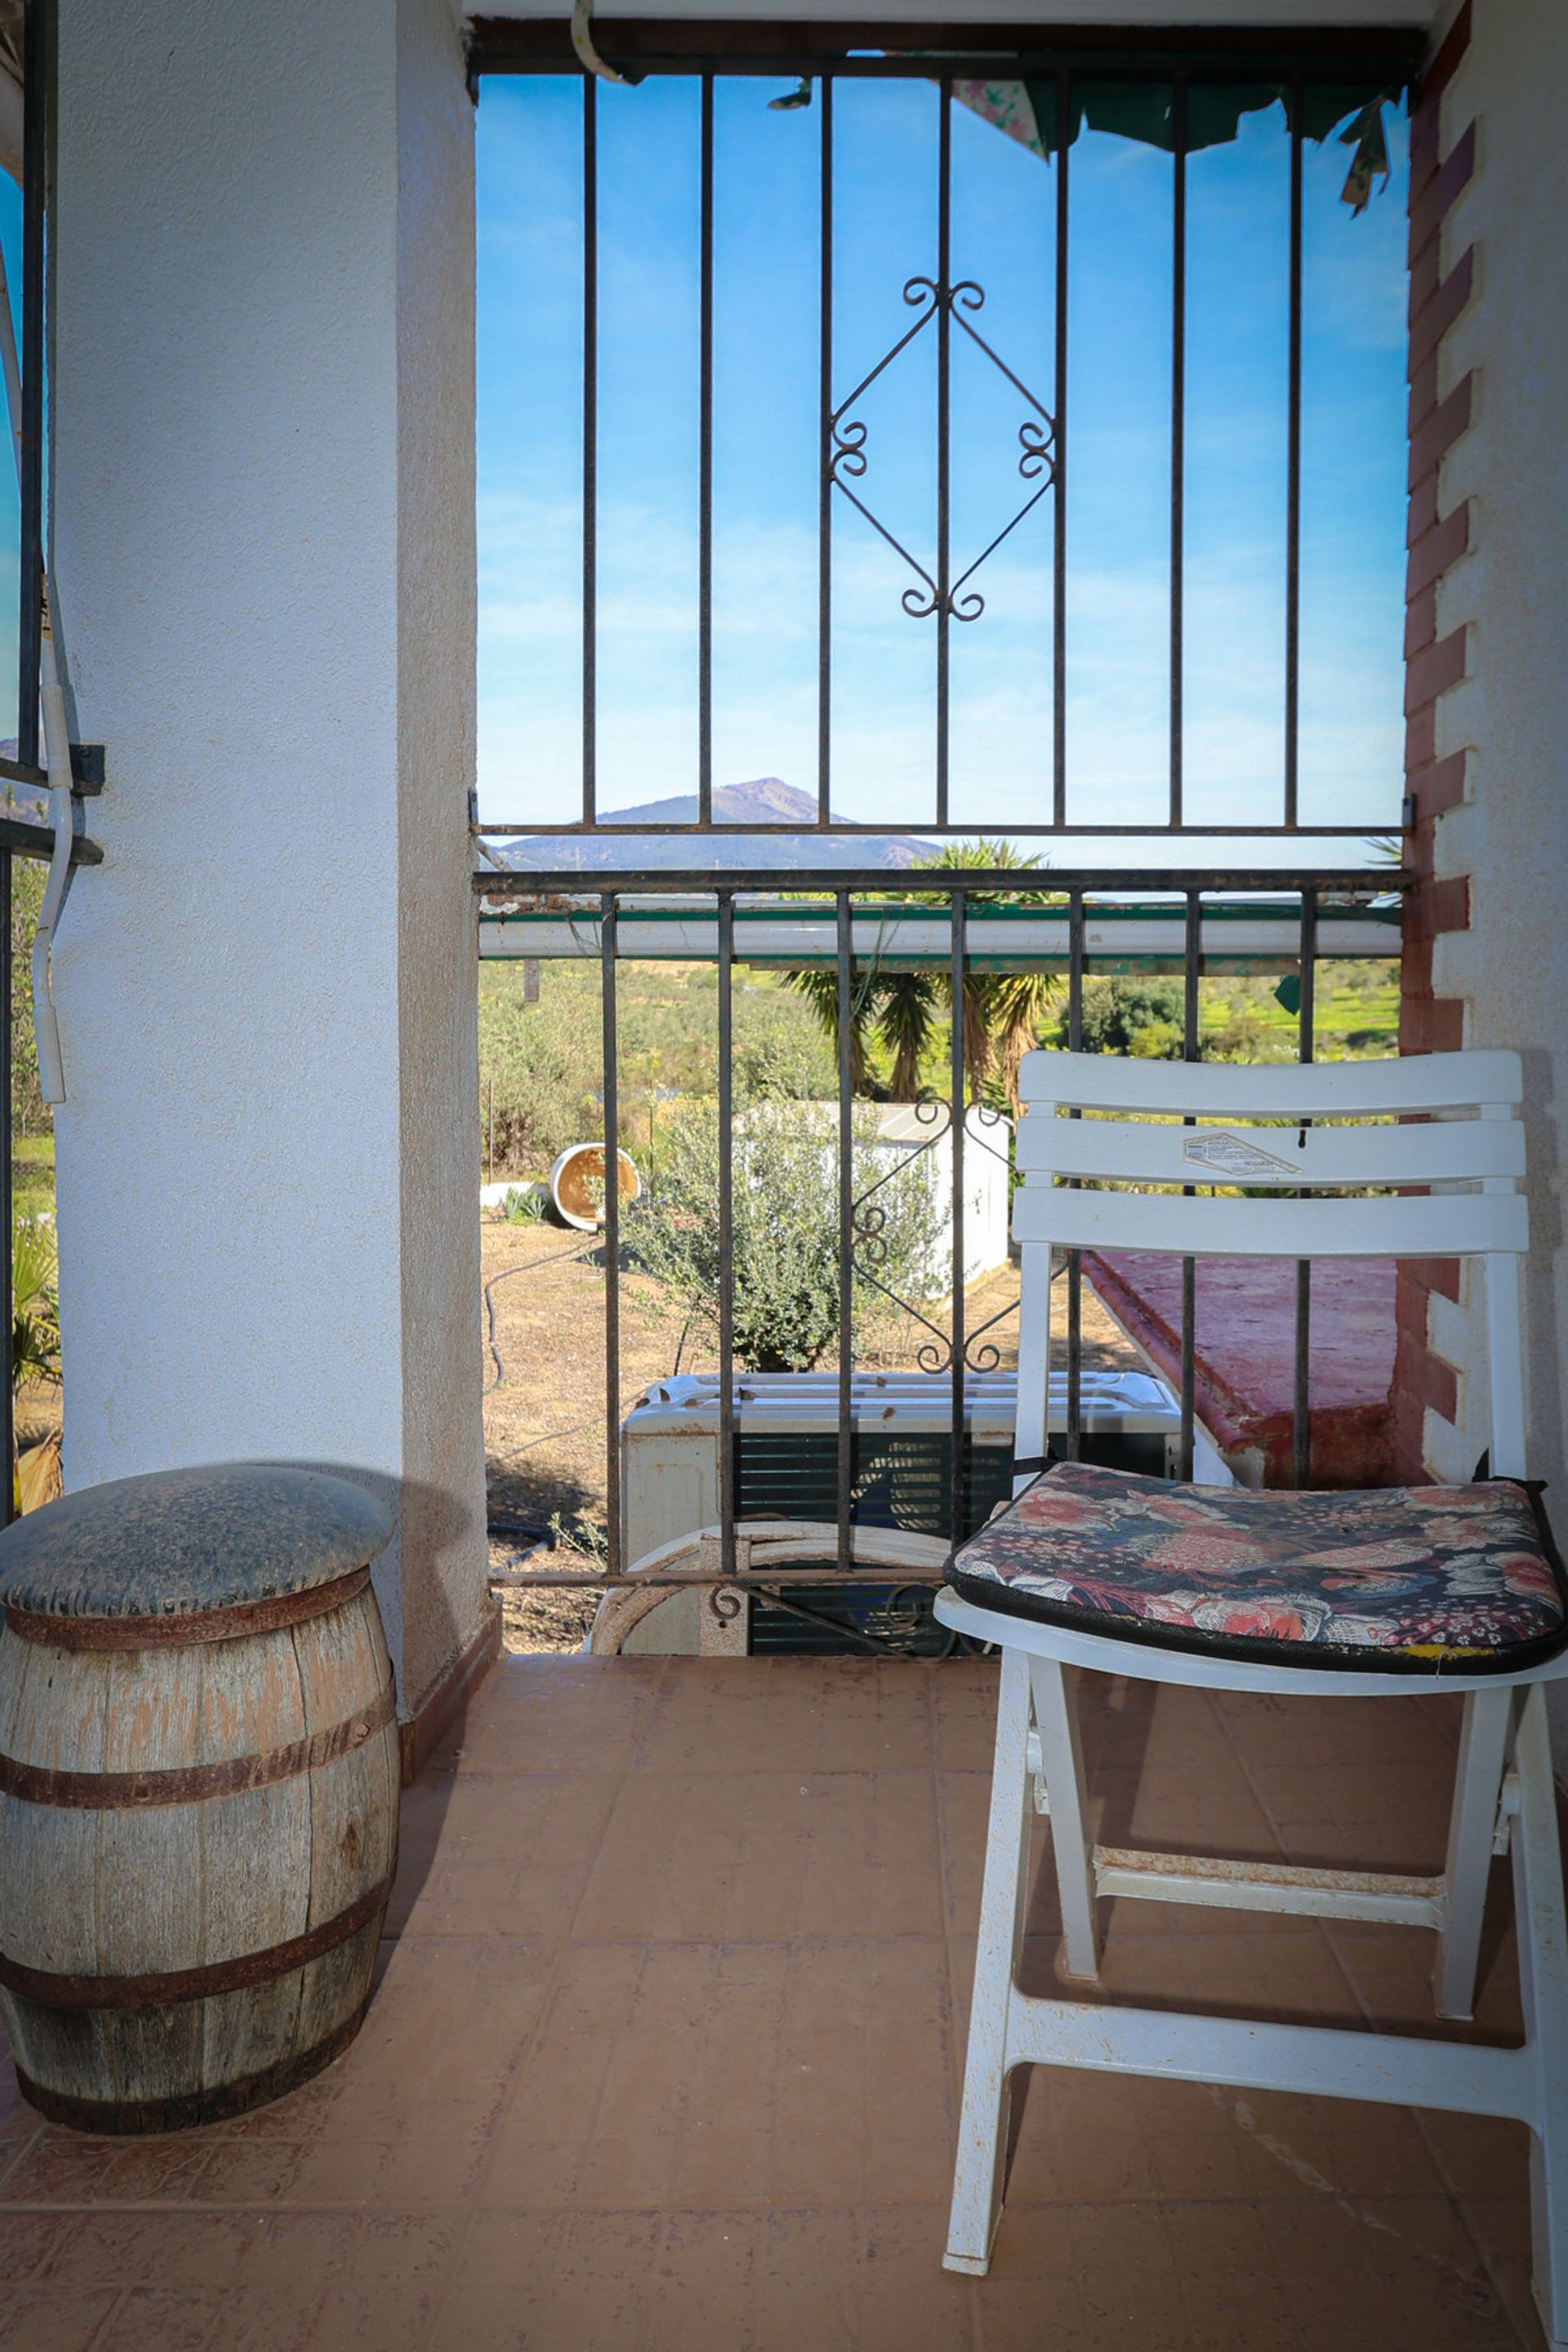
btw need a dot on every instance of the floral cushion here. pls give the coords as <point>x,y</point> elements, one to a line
<point>1399,1577</point>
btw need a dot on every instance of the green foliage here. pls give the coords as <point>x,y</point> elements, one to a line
<point>785,1223</point>
<point>540,1066</point>
<point>581,1536</point>
<point>900,1021</point>
<point>524,1205</point>
<point>1131,1016</point>
<point>29,1113</point>
<point>35,1303</point>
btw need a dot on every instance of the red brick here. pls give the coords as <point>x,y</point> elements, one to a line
<point>1426,139</point>
<point>1442,190</point>
<point>1435,669</point>
<point>1440,785</point>
<point>1423,401</point>
<point>1421,514</point>
<point>1431,322</point>
<point>1441,430</point>
<point>1420,621</point>
<point>1424,281</point>
<point>1439,545</point>
<point>1437,906</point>
<point>1420,739</point>
<point>1434,1273</point>
<point>1439,1386</point>
<point>1445,65</point>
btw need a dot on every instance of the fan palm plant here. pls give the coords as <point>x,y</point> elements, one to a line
<point>903,1012</point>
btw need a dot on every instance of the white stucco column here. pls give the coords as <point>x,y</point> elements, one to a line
<point>261,379</point>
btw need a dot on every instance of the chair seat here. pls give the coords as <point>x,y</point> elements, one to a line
<point>1395,1578</point>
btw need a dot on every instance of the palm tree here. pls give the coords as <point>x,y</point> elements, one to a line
<point>902,1010</point>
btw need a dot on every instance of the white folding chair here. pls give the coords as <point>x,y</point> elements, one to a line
<point>1236,1590</point>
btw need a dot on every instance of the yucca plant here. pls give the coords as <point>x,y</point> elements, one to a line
<point>903,1012</point>
<point>35,1305</point>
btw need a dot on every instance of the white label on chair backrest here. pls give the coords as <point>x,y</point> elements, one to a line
<point>1236,1155</point>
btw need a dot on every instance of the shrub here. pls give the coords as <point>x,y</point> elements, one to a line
<point>1131,1016</point>
<point>784,1225</point>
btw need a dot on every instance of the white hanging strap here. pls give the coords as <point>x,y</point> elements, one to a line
<point>588,56</point>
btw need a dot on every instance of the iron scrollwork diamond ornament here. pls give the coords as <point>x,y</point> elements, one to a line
<point>849,460</point>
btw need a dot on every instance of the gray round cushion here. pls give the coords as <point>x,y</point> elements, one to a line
<point>179,1543</point>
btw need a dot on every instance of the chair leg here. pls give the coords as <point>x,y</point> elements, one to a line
<point>1542,1928</point>
<point>1483,1748</point>
<point>1061,1755</point>
<point>983,2123</point>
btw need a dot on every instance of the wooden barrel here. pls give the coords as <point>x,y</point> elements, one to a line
<point>199,1780</point>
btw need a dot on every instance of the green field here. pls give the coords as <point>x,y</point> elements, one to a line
<point>33,1174</point>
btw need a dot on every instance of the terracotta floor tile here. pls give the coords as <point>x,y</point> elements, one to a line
<point>1500,2229</point>
<point>1391,1972</point>
<point>554,1714</point>
<point>668,2054</point>
<point>667,2074</point>
<point>41,2319</point>
<point>790,1714</point>
<point>551,2283</point>
<point>162,2319</point>
<point>755,1854</point>
<point>1391,2270</point>
<point>509,1856</point>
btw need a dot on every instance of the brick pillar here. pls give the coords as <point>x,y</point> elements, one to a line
<point>1437,538</point>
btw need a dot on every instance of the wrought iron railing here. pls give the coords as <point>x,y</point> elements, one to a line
<point>953,923</point>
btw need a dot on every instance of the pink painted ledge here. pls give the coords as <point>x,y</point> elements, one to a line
<point>1245,1357</point>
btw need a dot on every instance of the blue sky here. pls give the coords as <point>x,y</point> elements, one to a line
<point>765,462</point>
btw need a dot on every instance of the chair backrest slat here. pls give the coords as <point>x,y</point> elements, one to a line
<point>1436,1152</point>
<point>1307,1182</point>
<point>1397,1090</point>
<point>1430,1225</point>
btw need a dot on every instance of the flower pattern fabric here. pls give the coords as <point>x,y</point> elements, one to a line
<point>1401,1576</point>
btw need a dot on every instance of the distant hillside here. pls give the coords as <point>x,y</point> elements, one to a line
<point>767,799</point>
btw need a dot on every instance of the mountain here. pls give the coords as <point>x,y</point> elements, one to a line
<point>767,799</point>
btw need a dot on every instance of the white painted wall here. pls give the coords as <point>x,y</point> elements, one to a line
<point>262,392</point>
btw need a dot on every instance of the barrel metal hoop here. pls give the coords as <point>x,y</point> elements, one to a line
<point>181,1633</point>
<point>195,1784</point>
<point>168,1988</point>
<point>185,2111</point>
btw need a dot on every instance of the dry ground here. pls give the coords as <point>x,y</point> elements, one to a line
<point>545,1396</point>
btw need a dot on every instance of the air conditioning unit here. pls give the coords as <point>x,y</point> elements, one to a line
<point>786,1466</point>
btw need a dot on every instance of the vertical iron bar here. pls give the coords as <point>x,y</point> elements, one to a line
<point>1301,1468</point>
<point>705,474</point>
<point>1178,424</point>
<point>30,628</point>
<point>958,1526</point>
<point>589,446</point>
<point>727,1481</point>
<point>1191,962</point>
<point>8,1431</point>
<point>30,624</point>
<point>824,467</point>
<point>943,433</point>
<point>1075,1259</point>
<point>1059,492</point>
<point>846,1228</point>
<point>614,1563</point>
<point>1293,476</point>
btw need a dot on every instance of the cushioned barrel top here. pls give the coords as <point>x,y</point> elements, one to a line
<point>186,1542</point>
<point>1391,1579</point>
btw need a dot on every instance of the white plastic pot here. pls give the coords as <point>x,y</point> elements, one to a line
<point>577,1185</point>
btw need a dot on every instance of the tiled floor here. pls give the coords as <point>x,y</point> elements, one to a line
<point>667,2054</point>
